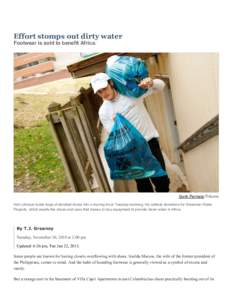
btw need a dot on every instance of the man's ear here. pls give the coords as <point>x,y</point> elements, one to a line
<point>111,83</point>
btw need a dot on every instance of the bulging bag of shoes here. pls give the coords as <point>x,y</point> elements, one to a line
<point>128,154</point>
<point>126,73</point>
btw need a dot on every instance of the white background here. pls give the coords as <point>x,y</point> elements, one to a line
<point>164,26</point>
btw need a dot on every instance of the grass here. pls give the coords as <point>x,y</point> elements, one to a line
<point>30,110</point>
<point>38,167</point>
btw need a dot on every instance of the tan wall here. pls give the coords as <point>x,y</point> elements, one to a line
<point>157,108</point>
<point>160,108</point>
<point>194,85</point>
<point>201,165</point>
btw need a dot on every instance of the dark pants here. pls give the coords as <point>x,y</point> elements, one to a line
<point>161,183</point>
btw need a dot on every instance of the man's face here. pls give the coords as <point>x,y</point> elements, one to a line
<point>108,93</point>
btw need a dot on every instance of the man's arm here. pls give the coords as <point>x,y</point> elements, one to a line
<point>107,122</point>
<point>153,84</point>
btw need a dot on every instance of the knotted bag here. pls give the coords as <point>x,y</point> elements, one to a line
<point>126,73</point>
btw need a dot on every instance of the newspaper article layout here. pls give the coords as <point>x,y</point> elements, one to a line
<point>114,192</point>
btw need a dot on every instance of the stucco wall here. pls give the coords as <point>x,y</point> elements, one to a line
<point>202,167</point>
<point>194,85</point>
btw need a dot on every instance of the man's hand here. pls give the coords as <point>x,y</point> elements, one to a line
<point>146,83</point>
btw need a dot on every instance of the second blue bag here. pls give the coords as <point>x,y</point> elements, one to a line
<point>128,153</point>
<point>126,73</point>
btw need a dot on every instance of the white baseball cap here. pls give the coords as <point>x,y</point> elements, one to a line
<point>99,81</point>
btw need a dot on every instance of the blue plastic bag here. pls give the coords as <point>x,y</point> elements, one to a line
<point>126,73</point>
<point>128,153</point>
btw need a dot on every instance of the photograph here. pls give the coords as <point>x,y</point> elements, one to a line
<point>116,122</point>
